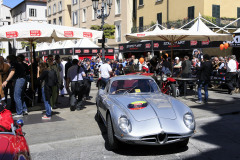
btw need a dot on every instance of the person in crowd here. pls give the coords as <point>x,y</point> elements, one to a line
<point>231,74</point>
<point>105,71</point>
<point>216,63</point>
<point>62,75</point>
<point>88,79</point>
<point>53,66</point>
<point>61,72</point>
<point>37,84</point>
<point>177,67</point>
<point>166,65</point>
<point>4,67</point>
<point>186,68</point>
<point>75,75</point>
<point>204,75</point>
<point>18,75</point>
<point>222,66</point>
<point>67,66</point>
<point>47,82</point>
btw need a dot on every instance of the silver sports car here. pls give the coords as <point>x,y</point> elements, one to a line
<point>136,112</point>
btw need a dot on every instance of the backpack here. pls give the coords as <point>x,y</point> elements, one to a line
<point>52,78</point>
<point>6,119</point>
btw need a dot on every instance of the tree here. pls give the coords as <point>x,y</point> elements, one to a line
<point>27,44</point>
<point>109,30</point>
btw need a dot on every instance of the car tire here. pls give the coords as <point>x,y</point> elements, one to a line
<point>112,140</point>
<point>173,90</point>
<point>183,143</point>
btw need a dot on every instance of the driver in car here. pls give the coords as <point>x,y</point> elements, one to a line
<point>5,118</point>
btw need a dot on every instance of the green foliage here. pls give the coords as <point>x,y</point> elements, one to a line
<point>2,50</point>
<point>27,44</point>
<point>211,19</point>
<point>152,23</point>
<point>109,30</point>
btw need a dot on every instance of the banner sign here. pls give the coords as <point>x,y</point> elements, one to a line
<point>57,52</point>
<point>136,47</point>
<point>92,51</point>
<point>163,45</point>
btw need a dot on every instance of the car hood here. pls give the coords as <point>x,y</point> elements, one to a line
<point>4,142</point>
<point>159,106</point>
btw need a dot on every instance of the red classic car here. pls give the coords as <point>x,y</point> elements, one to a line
<point>13,145</point>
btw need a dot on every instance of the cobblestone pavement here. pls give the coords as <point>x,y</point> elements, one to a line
<point>77,135</point>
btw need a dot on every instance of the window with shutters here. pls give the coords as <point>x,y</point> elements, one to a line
<point>238,16</point>
<point>60,21</point>
<point>159,18</point>
<point>75,18</point>
<point>32,12</point>
<point>191,12</point>
<point>216,13</point>
<point>140,2</point>
<point>140,24</point>
<point>54,9</point>
<point>59,6</point>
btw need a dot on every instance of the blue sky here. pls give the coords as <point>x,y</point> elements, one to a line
<point>11,3</point>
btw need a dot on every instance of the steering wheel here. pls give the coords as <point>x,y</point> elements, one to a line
<point>117,91</point>
<point>4,129</point>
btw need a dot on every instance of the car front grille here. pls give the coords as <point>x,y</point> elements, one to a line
<point>162,138</point>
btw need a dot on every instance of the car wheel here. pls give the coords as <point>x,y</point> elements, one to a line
<point>112,140</point>
<point>183,143</point>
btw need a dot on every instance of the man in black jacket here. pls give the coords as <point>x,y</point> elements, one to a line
<point>204,75</point>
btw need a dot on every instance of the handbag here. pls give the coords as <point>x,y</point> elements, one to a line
<point>79,84</point>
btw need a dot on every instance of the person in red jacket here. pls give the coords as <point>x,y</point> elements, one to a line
<point>5,118</point>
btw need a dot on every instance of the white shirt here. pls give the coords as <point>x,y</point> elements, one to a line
<point>104,70</point>
<point>232,66</point>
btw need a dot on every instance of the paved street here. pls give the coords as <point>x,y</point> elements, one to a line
<point>77,135</point>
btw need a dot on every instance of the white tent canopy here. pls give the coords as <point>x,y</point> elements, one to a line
<point>43,32</point>
<point>56,45</point>
<point>86,43</point>
<point>68,44</point>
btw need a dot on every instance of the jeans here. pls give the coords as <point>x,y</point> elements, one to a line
<point>205,85</point>
<point>104,82</point>
<point>46,104</point>
<point>54,96</point>
<point>18,90</point>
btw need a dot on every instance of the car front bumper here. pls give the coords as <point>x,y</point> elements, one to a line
<point>157,139</point>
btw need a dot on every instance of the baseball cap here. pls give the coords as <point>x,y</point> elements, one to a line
<point>176,57</point>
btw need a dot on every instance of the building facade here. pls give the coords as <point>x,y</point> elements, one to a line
<point>5,19</point>
<point>30,10</point>
<point>121,13</point>
<point>59,12</point>
<point>181,11</point>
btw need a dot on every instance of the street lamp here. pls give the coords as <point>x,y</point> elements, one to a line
<point>102,16</point>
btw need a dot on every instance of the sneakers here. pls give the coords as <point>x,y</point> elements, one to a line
<point>18,116</point>
<point>25,113</point>
<point>199,102</point>
<point>46,117</point>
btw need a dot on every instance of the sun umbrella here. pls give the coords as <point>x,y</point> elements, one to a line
<point>42,32</point>
<point>199,31</point>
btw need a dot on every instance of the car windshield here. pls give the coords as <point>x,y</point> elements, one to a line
<point>133,86</point>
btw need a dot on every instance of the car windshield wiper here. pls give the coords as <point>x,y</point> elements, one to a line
<point>129,90</point>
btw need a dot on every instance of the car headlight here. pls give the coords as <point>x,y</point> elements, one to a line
<point>164,77</point>
<point>124,124</point>
<point>189,120</point>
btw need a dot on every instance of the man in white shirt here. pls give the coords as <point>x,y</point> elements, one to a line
<point>105,71</point>
<point>231,74</point>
